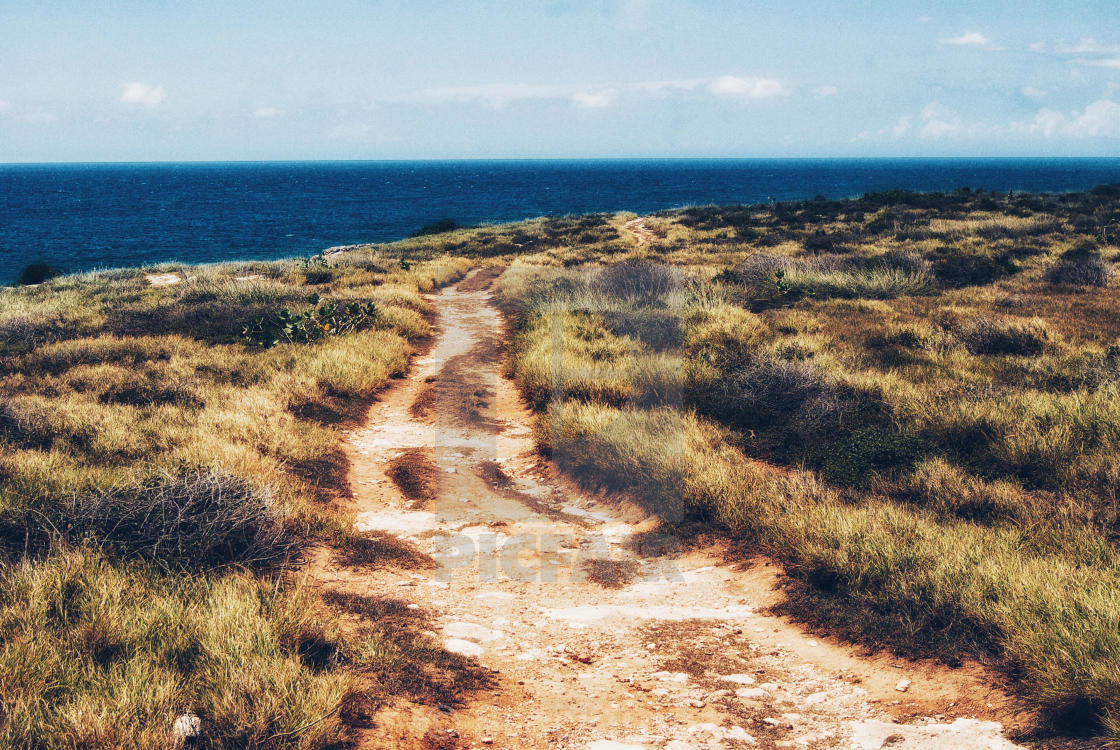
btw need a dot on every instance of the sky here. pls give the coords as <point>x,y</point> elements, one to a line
<point>157,80</point>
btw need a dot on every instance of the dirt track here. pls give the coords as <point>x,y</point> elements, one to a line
<point>603,632</point>
<point>643,235</point>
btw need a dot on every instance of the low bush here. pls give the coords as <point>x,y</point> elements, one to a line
<point>202,519</point>
<point>1081,269</point>
<point>955,269</point>
<point>985,335</point>
<point>638,282</point>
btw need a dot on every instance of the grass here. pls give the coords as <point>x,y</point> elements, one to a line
<point>161,475</point>
<point>910,401</point>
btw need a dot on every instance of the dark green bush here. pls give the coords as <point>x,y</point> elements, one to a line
<point>37,273</point>
<point>439,226</point>
<point>855,456</point>
<point>790,406</point>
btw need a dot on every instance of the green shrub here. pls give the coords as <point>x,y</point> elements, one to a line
<point>328,319</point>
<point>853,457</point>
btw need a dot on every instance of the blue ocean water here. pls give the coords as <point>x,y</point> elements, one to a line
<point>84,216</point>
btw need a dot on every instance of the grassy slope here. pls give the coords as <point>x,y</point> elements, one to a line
<point>118,401</point>
<point>901,398</point>
<point>159,478</point>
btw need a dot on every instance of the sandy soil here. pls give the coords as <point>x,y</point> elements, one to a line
<point>163,279</point>
<point>603,631</point>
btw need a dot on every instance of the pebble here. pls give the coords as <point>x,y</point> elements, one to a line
<point>902,686</point>
<point>462,647</point>
<point>751,693</point>
<point>742,679</point>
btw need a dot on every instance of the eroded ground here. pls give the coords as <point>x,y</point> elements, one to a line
<point>603,631</point>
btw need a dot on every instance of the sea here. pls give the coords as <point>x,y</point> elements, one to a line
<point>79,217</point>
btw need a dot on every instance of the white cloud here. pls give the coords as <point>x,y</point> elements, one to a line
<point>501,94</point>
<point>5,105</point>
<point>899,129</point>
<point>1108,62</point>
<point>494,94</point>
<point>746,87</point>
<point>1086,46</point>
<point>936,121</point>
<point>1085,51</point>
<point>1101,119</point>
<point>1047,122</point>
<point>823,91</point>
<point>939,121</point>
<point>594,100</point>
<point>265,112</point>
<point>924,19</point>
<point>143,94</point>
<point>1033,93</point>
<point>38,116</point>
<point>968,39</point>
<point>659,87</point>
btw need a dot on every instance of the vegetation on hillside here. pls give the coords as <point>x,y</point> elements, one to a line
<point>167,455</point>
<point>911,401</point>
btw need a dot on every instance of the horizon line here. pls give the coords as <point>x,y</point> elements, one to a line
<point>483,159</point>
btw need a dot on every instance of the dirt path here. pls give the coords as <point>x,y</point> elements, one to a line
<point>643,234</point>
<point>595,645</point>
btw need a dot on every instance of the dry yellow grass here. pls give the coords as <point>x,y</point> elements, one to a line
<point>887,395</point>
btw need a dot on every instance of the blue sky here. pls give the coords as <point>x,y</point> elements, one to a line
<point>162,80</point>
